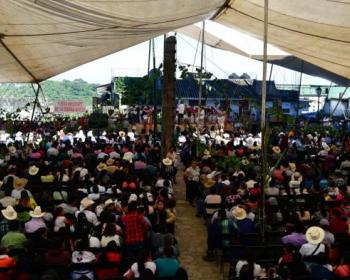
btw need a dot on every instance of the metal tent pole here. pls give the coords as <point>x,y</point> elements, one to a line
<point>200,89</point>
<point>154,95</point>
<point>263,123</point>
<point>300,80</point>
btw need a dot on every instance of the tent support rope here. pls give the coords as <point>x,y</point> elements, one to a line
<point>300,81</point>
<point>340,98</point>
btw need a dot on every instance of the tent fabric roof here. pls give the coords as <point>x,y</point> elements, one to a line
<point>287,61</point>
<point>48,37</point>
<point>42,38</point>
<point>316,31</point>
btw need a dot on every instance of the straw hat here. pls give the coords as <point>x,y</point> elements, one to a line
<point>253,156</point>
<point>101,166</point>
<point>292,166</point>
<point>37,213</point>
<point>206,152</point>
<point>276,150</point>
<point>167,161</point>
<point>33,170</point>
<point>239,213</point>
<point>325,147</point>
<point>9,213</point>
<point>12,150</point>
<point>108,202</point>
<point>244,161</point>
<point>208,183</point>
<point>20,183</point>
<point>132,197</point>
<point>121,133</point>
<point>128,156</point>
<point>111,169</point>
<point>314,235</point>
<point>85,203</point>
<point>110,161</point>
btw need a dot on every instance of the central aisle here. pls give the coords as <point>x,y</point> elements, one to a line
<point>192,238</point>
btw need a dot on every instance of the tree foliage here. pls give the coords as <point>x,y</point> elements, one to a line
<point>54,90</point>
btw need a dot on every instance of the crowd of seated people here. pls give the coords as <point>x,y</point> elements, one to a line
<point>306,222</point>
<point>73,209</point>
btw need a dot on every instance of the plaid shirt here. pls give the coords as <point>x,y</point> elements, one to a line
<point>135,228</point>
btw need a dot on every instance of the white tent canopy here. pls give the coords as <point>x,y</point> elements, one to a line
<point>317,31</point>
<point>42,38</point>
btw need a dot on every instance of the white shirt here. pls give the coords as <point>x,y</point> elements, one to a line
<point>240,264</point>
<point>90,216</point>
<point>94,242</point>
<point>60,222</point>
<point>181,108</point>
<point>307,249</point>
<point>148,265</point>
<point>83,257</point>
<point>106,239</point>
<point>212,199</point>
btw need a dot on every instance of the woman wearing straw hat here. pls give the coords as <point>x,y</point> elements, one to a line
<point>314,246</point>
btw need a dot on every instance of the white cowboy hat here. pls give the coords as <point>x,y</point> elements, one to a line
<point>314,235</point>
<point>206,152</point>
<point>128,156</point>
<point>325,147</point>
<point>239,213</point>
<point>33,170</point>
<point>37,213</point>
<point>9,213</point>
<point>109,202</point>
<point>167,161</point>
<point>86,202</point>
<point>244,161</point>
<point>132,197</point>
<point>121,133</point>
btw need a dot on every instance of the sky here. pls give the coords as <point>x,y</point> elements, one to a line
<point>134,60</point>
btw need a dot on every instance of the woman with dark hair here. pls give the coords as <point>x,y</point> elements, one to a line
<point>167,265</point>
<point>139,268</point>
<point>110,234</point>
<point>247,269</point>
<point>82,261</point>
<point>163,217</point>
